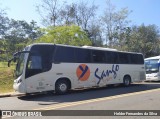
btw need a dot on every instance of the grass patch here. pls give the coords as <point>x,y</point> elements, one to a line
<point>6,77</point>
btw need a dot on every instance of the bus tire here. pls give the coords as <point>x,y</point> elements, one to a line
<point>126,81</point>
<point>61,87</point>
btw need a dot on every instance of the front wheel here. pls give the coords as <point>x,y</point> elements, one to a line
<point>61,87</point>
<point>126,81</point>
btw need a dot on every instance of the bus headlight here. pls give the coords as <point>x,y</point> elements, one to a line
<point>19,81</point>
<point>156,75</point>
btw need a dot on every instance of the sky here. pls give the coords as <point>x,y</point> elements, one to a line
<point>143,11</point>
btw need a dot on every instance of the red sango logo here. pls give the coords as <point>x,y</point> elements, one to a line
<point>83,72</point>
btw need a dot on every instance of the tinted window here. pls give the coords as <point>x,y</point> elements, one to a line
<point>35,62</point>
<point>64,54</point>
<point>98,56</point>
<point>83,55</point>
<point>39,60</point>
<point>111,57</point>
<point>137,59</point>
<point>140,59</point>
<point>124,58</point>
<point>133,59</point>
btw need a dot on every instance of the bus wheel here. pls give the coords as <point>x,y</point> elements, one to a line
<point>61,87</point>
<point>126,81</point>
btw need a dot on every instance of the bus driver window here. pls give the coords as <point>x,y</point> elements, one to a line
<point>35,62</point>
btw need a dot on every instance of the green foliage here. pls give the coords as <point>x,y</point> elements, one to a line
<point>69,35</point>
<point>6,77</point>
<point>15,35</point>
<point>114,23</point>
<point>112,27</point>
<point>144,39</point>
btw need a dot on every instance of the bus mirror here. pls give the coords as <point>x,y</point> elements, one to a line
<point>9,63</point>
<point>14,59</point>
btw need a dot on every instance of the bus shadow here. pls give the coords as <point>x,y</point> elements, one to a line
<point>49,98</point>
<point>150,81</point>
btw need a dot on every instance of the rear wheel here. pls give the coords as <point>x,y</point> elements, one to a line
<point>126,81</point>
<point>61,87</point>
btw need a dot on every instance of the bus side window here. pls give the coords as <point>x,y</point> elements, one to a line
<point>124,58</point>
<point>111,57</point>
<point>137,59</point>
<point>35,62</point>
<point>46,63</point>
<point>140,59</point>
<point>34,65</point>
<point>82,55</point>
<point>64,54</point>
<point>98,56</point>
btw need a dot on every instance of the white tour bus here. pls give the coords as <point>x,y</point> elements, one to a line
<point>46,67</point>
<point>152,66</point>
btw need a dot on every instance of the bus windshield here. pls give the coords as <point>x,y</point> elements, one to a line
<point>20,65</point>
<point>151,66</point>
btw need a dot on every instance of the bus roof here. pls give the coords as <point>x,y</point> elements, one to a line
<point>84,47</point>
<point>99,48</point>
<point>155,57</point>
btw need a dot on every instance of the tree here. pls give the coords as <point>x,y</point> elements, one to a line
<point>81,14</point>
<point>15,34</point>
<point>68,14</point>
<point>33,31</point>
<point>69,35</point>
<point>53,13</point>
<point>95,34</point>
<point>4,21</point>
<point>85,14</point>
<point>114,23</point>
<point>144,39</point>
<point>19,33</point>
<point>49,12</point>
